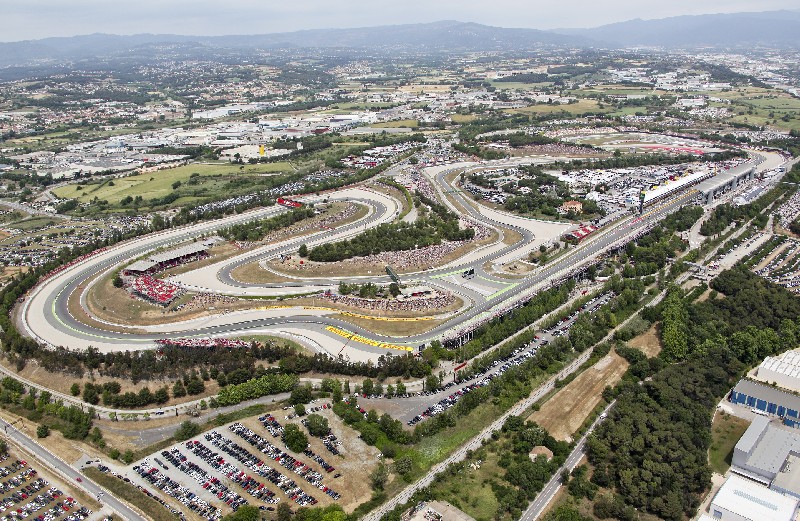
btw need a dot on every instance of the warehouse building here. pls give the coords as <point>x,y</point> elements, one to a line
<point>783,370</point>
<point>740,499</point>
<point>765,399</point>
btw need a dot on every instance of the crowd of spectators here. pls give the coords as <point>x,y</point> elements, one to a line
<point>423,257</point>
<point>303,226</point>
<point>154,290</point>
<point>203,343</point>
<point>422,303</point>
<point>206,301</point>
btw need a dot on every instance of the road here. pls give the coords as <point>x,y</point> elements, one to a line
<point>543,498</point>
<point>69,473</point>
<point>476,442</point>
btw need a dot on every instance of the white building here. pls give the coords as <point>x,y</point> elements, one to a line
<point>783,370</point>
<point>740,499</point>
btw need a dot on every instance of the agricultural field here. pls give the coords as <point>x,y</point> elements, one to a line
<point>150,185</point>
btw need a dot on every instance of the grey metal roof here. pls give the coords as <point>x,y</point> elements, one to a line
<point>773,449</point>
<point>752,434</point>
<point>768,393</point>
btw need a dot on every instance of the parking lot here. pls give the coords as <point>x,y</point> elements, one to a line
<point>25,494</point>
<point>247,462</point>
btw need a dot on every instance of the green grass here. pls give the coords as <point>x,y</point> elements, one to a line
<point>158,184</point>
<point>583,105</point>
<point>33,224</point>
<point>131,494</point>
<point>725,433</point>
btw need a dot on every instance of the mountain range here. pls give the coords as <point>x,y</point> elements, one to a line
<point>772,28</point>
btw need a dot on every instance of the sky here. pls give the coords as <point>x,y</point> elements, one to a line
<point>34,19</point>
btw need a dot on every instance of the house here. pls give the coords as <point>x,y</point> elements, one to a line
<point>571,206</point>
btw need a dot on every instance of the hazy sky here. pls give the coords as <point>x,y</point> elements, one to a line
<point>32,19</point>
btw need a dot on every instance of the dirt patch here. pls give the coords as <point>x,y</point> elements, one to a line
<point>648,342</point>
<point>253,273</point>
<point>566,411</point>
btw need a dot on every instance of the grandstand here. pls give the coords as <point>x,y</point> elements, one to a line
<point>169,259</point>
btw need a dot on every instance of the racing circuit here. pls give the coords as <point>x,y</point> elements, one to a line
<point>46,316</point>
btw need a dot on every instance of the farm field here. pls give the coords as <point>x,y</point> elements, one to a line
<point>150,185</point>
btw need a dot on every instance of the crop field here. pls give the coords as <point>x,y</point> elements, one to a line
<point>150,185</point>
<point>583,105</point>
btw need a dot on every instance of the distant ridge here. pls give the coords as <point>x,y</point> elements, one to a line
<point>446,35</point>
<point>771,28</point>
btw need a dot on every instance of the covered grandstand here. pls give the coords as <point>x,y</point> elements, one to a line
<point>158,262</point>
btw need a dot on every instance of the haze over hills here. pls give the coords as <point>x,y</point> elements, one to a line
<point>772,28</point>
<point>775,28</point>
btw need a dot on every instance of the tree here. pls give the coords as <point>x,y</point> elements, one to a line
<point>367,387</point>
<point>284,512</point>
<point>379,476</point>
<point>244,513</point>
<point>75,390</point>
<point>317,425</point>
<point>403,465</point>
<point>186,430</point>
<point>303,250</point>
<point>300,409</point>
<point>195,386</point>
<point>117,282</point>
<point>294,439</point>
<point>337,395</point>
<point>42,431</point>
<point>178,390</point>
<point>161,396</point>
<point>400,388</point>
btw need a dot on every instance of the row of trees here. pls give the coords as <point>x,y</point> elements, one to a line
<point>257,230</point>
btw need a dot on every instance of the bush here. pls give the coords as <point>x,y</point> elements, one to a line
<point>187,429</point>
<point>317,425</point>
<point>294,438</point>
<point>42,431</point>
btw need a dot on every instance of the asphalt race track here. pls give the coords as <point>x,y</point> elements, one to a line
<point>46,316</point>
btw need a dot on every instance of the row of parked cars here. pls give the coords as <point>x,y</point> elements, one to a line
<point>172,488</point>
<point>143,490</point>
<point>204,479</point>
<point>284,459</point>
<point>515,358</point>
<point>285,483</point>
<point>25,495</point>
<point>250,485</point>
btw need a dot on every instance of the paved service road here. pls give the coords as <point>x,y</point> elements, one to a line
<point>476,442</point>
<point>549,491</point>
<point>70,473</point>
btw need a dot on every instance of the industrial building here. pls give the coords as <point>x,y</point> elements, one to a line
<point>769,400</point>
<point>740,499</point>
<point>782,370</point>
<point>766,453</point>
